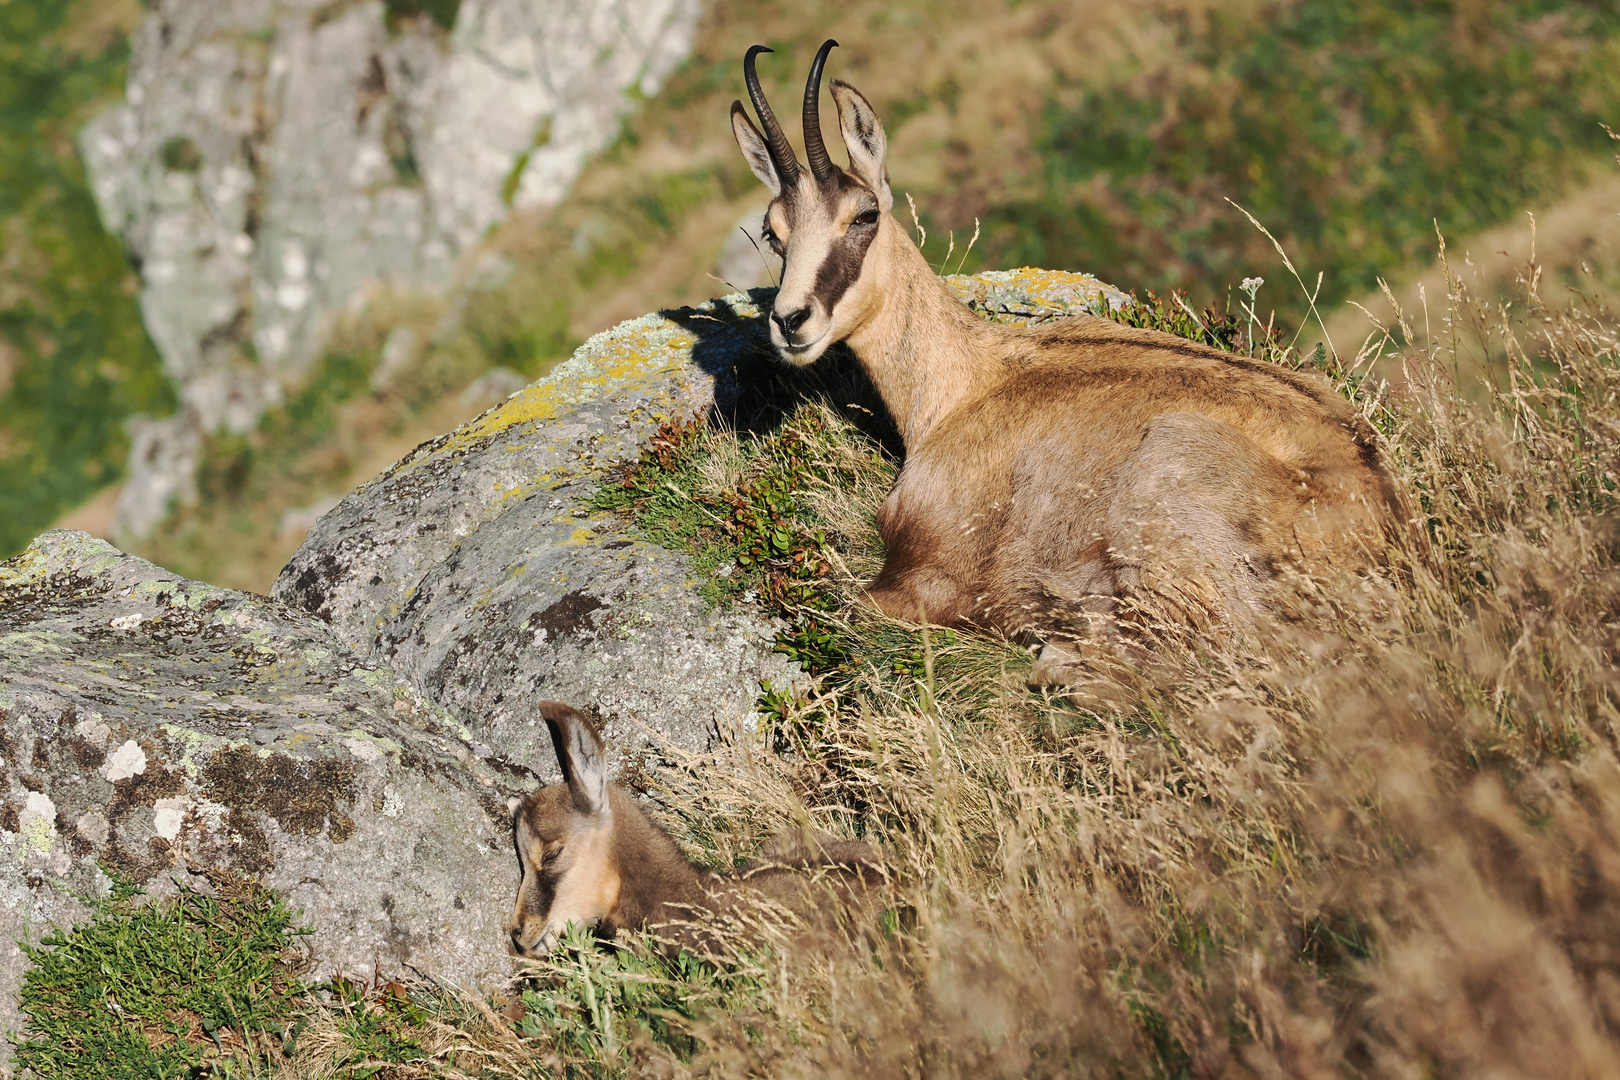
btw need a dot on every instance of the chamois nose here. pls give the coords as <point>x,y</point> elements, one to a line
<point>790,321</point>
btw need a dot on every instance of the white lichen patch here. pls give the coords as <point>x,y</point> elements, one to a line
<point>93,729</point>
<point>167,817</point>
<point>368,752</point>
<point>126,761</point>
<point>127,622</point>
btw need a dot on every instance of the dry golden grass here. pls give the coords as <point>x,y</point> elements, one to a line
<point>1382,838</point>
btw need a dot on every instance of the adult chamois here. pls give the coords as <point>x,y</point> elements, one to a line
<point>591,856</point>
<point>1053,472</point>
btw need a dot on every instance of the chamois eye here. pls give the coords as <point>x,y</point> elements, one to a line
<point>866,217</point>
<point>550,857</point>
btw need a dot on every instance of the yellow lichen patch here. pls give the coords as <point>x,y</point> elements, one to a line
<point>1030,287</point>
<point>191,742</point>
<point>640,347</point>
<point>24,570</point>
<point>34,641</point>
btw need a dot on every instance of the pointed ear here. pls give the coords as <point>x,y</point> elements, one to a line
<point>754,150</point>
<point>580,753</point>
<point>864,139</point>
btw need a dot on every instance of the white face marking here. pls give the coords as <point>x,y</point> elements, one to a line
<point>823,237</point>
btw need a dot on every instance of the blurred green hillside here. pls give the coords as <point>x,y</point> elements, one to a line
<point>1351,127</point>
<point>75,360</point>
<point>1086,134</point>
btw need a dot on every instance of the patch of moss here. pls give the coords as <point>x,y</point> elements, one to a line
<point>305,797</point>
<point>751,540</point>
<point>180,154</point>
<point>442,12</point>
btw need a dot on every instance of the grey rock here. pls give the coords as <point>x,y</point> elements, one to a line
<point>476,570</point>
<point>745,262</point>
<point>148,722</point>
<point>274,158</point>
<point>163,458</point>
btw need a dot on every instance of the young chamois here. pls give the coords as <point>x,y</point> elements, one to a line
<point>591,856</point>
<point>1052,472</point>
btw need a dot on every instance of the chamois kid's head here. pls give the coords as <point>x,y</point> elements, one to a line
<point>564,837</point>
<point>823,219</point>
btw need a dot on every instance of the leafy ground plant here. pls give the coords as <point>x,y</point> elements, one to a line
<point>191,985</point>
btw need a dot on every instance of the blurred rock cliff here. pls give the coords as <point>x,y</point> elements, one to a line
<point>274,157</point>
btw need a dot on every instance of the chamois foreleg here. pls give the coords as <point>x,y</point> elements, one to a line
<point>921,579</point>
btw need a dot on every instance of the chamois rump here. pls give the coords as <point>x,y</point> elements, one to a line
<point>1052,473</point>
<point>591,856</point>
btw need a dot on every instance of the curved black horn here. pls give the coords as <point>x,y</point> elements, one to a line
<point>787,166</point>
<point>815,150</point>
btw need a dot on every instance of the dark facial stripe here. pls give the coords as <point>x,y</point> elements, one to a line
<point>842,266</point>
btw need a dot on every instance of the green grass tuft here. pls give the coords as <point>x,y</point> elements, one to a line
<point>177,987</point>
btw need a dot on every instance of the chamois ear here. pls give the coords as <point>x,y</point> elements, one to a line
<point>754,150</point>
<point>580,753</point>
<point>864,139</point>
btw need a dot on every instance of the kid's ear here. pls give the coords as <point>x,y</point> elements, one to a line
<point>864,139</point>
<point>754,150</point>
<point>580,753</point>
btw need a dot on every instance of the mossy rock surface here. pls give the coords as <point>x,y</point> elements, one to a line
<point>475,568</point>
<point>148,723</point>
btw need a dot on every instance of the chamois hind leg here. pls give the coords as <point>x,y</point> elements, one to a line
<point>1189,533</point>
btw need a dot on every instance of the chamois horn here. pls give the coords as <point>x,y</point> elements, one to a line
<point>815,150</point>
<point>787,166</point>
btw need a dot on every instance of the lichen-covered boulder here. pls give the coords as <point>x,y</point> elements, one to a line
<point>476,568</point>
<point>148,723</point>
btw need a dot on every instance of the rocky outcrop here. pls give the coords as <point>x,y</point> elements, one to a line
<point>476,569</point>
<point>148,723</point>
<point>274,156</point>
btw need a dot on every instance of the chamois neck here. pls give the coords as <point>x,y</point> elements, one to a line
<point>653,873</point>
<point>922,348</point>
